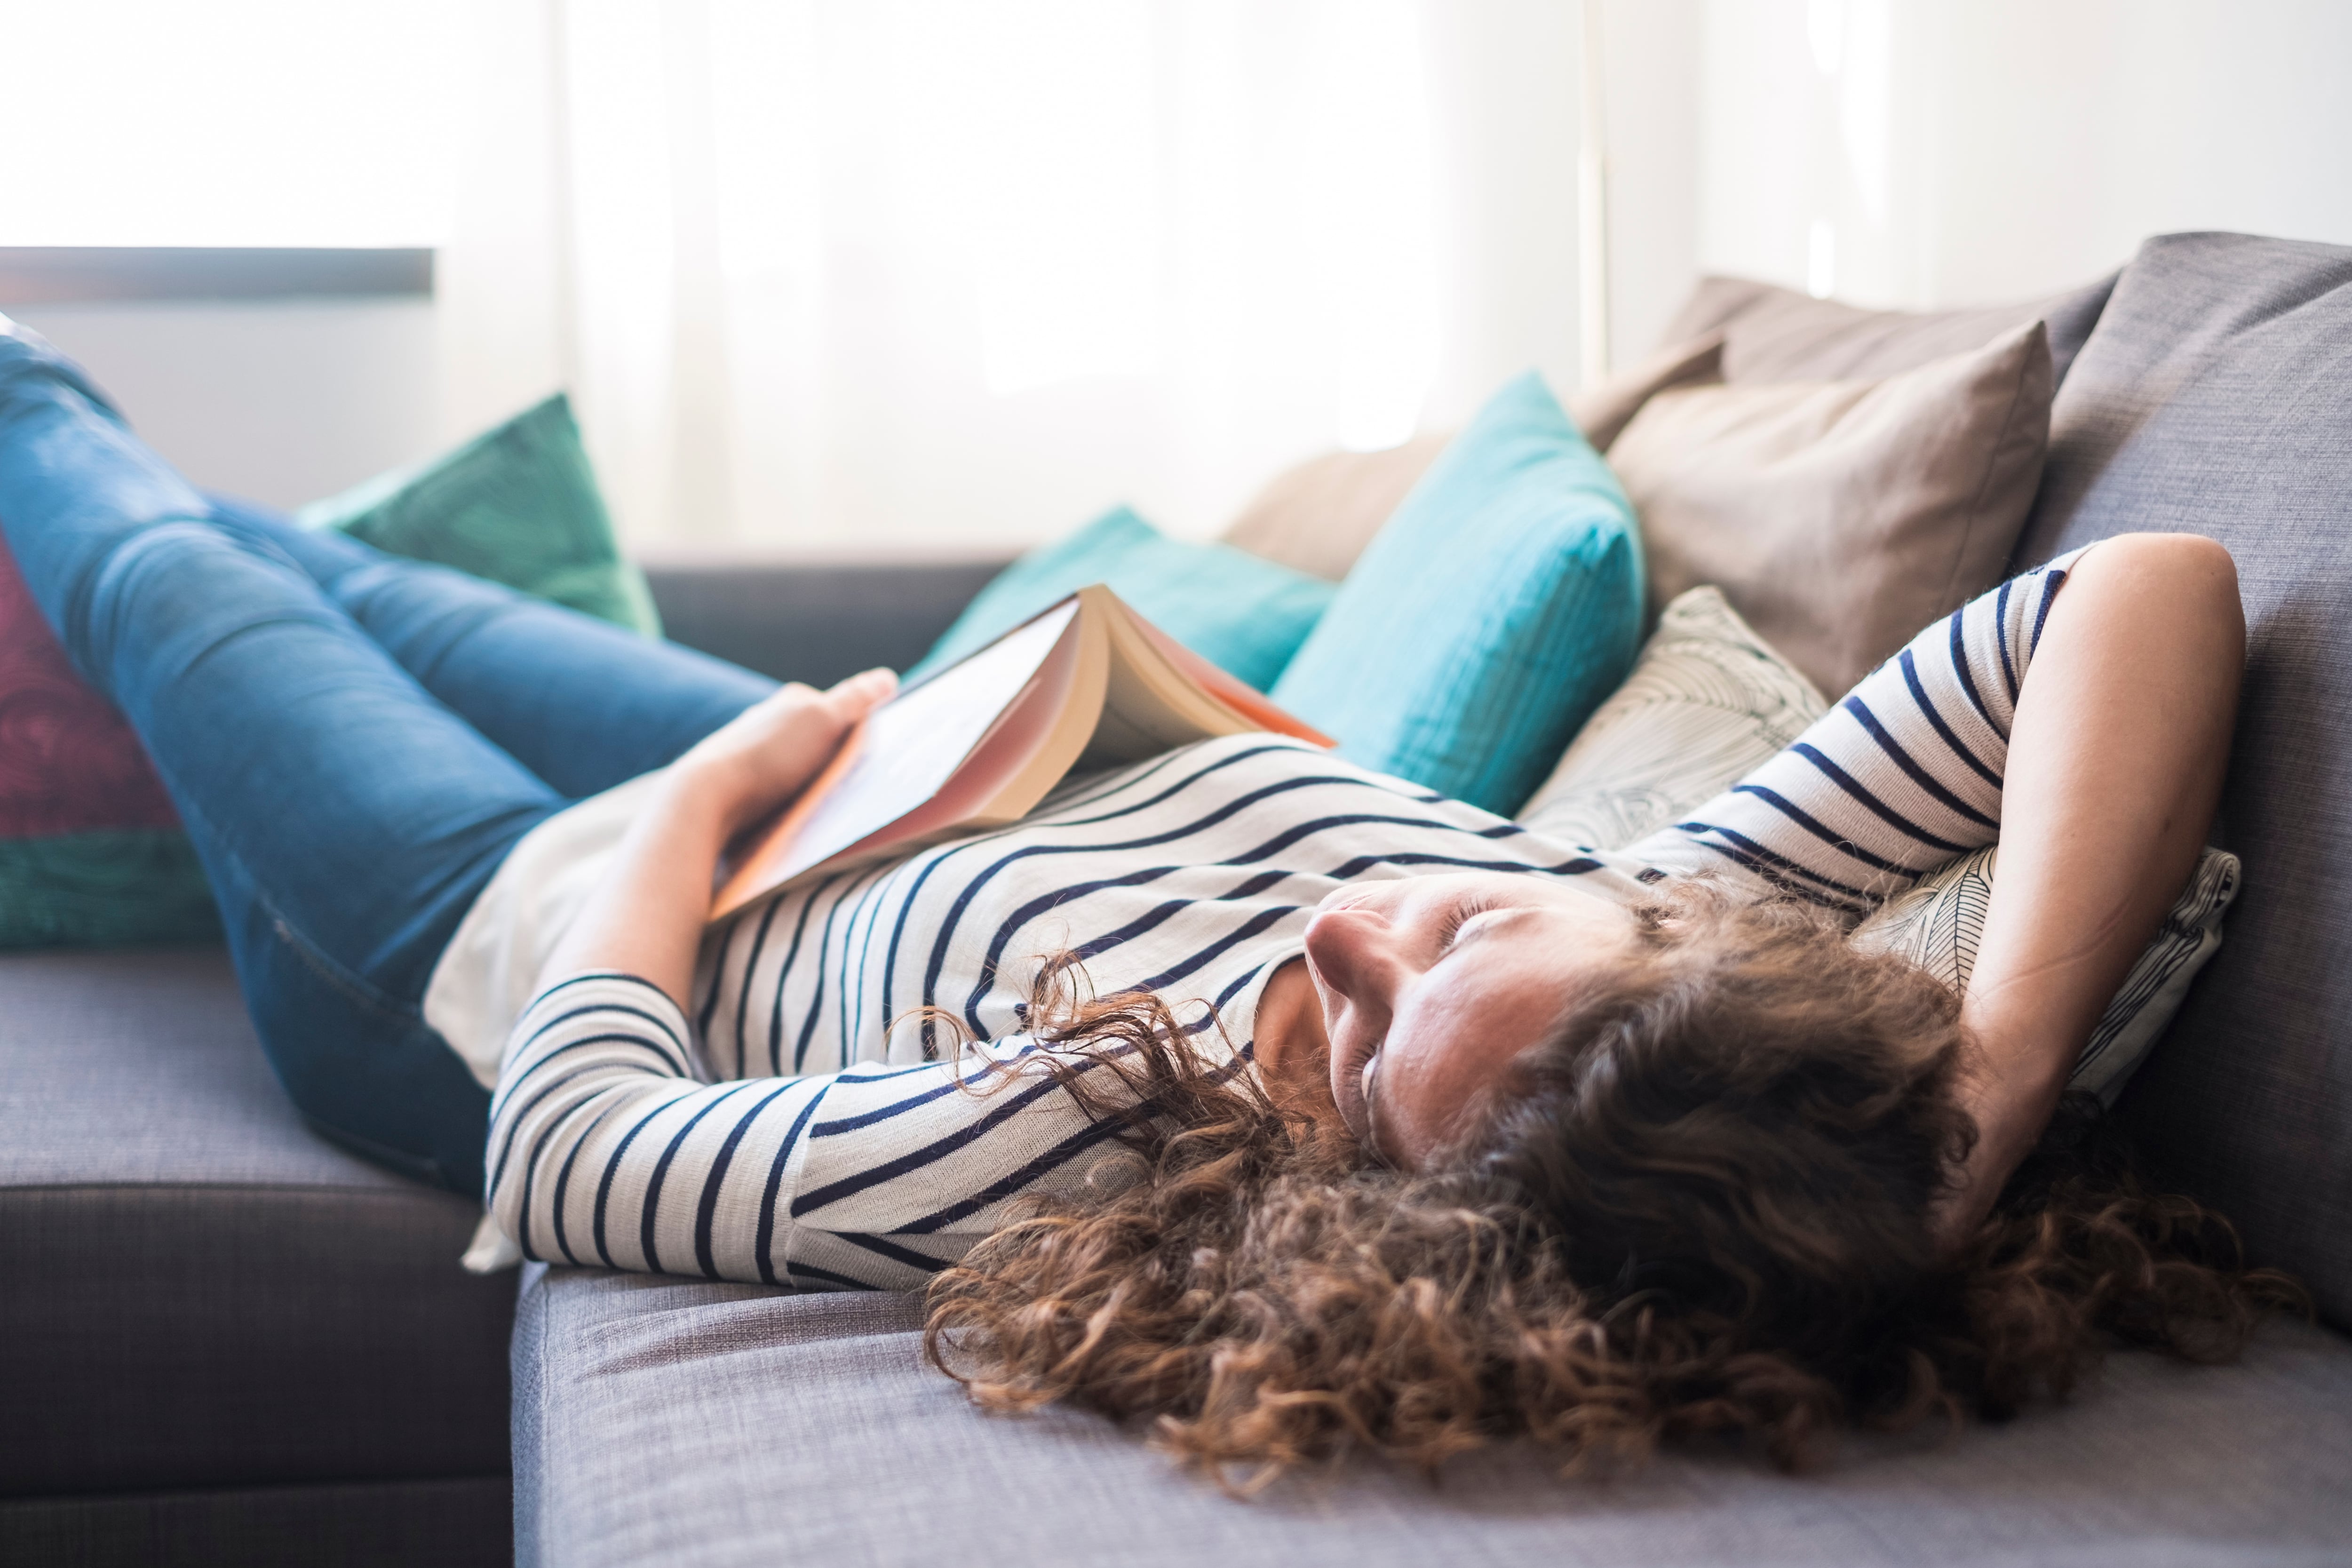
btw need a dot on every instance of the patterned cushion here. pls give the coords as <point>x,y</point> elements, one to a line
<point>1937,923</point>
<point>1708,700</point>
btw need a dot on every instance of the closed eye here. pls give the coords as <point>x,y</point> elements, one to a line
<point>1459,916</point>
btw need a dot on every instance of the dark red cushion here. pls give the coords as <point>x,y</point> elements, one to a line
<point>68,761</point>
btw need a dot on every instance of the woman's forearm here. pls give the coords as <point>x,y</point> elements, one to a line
<point>2116,762</point>
<point>646,918</point>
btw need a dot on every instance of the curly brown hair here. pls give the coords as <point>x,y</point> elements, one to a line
<point>1701,1209</point>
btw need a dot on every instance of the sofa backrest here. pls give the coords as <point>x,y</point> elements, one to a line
<point>2215,397</point>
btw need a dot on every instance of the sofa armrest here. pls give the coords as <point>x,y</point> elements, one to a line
<point>817,621</point>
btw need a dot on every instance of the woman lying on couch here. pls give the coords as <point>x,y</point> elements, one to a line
<point>1277,1100</point>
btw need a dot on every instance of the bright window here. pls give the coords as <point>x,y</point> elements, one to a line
<point>234,122</point>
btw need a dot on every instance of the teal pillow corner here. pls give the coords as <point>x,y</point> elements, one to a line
<point>1245,615</point>
<point>1496,608</point>
<point>128,886</point>
<point>518,504</point>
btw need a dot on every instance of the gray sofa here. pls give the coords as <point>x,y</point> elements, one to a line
<point>223,1341</point>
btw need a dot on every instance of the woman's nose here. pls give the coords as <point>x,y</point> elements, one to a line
<point>1355,951</point>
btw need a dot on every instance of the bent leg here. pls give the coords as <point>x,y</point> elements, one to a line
<point>346,819</point>
<point>581,703</point>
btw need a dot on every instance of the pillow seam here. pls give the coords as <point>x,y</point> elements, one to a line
<point>1984,484</point>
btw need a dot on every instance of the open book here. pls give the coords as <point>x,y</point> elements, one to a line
<point>1088,684</point>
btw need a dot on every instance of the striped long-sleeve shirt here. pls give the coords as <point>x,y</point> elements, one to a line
<point>807,1125</point>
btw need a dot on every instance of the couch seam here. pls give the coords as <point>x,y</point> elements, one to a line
<point>319,1188</point>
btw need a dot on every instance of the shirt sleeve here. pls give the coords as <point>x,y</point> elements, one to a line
<point>1895,781</point>
<point>607,1146</point>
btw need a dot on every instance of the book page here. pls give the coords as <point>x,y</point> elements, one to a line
<point>900,757</point>
<point>1089,682</point>
<point>1162,695</point>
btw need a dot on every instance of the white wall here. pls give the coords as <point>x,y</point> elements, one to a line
<point>1504,113</point>
<point>1971,151</point>
<point>1650,94</point>
<point>1960,151</point>
<point>280,402</point>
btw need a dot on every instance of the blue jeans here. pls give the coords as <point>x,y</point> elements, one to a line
<point>354,741</point>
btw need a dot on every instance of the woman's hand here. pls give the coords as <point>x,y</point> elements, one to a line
<point>757,764</point>
<point>645,917</point>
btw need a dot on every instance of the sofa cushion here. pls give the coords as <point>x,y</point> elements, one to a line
<point>1708,702</point>
<point>1245,615</point>
<point>814,621</point>
<point>1490,616</point>
<point>1840,517</point>
<point>667,1421</point>
<point>1772,334</point>
<point>2216,397</point>
<point>196,1291</point>
<point>1317,517</point>
<point>516,504</point>
<point>1939,923</point>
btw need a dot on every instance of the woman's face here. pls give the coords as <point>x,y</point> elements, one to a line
<point>1432,986</point>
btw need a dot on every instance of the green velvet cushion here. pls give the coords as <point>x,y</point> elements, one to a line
<point>1244,614</point>
<point>1489,617</point>
<point>518,505</point>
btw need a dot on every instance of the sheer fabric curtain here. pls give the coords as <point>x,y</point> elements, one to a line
<point>952,275</point>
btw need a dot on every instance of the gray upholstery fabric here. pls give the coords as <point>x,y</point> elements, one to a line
<point>816,622</point>
<point>2215,397</point>
<point>195,1288</point>
<point>462,1523</point>
<point>678,1422</point>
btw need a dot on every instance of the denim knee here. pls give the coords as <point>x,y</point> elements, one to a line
<point>164,587</point>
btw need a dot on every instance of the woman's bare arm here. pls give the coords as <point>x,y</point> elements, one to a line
<point>646,917</point>
<point>2116,760</point>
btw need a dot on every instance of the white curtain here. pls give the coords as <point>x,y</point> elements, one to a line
<point>854,276</point>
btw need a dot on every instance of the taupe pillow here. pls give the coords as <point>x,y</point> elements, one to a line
<point>1840,517</point>
<point>1603,411</point>
<point>1316,518</point>
<point>1772,334</point>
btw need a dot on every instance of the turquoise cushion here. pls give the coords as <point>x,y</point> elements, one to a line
<point>1495,609</point>
<point>518,504</point>
<point>1244,614</point>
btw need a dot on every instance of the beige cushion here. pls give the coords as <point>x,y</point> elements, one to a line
<point>1839,518</point>
<point>1603,411</point>
<point>1316,518</point>
<point>1771,333</point>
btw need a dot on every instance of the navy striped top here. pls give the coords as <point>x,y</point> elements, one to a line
<point>804,1124</point>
